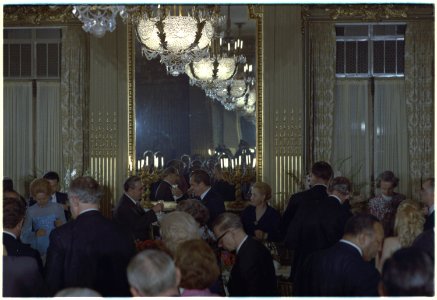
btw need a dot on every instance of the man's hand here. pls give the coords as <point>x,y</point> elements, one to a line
<point>260,235</point>
<point>158,207</point>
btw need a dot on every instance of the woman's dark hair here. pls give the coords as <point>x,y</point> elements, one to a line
<point>388,176</point>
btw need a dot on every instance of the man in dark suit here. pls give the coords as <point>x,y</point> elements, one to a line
<point>427,196</point>
<point>425,242</point>
<point>319,225</point>
<point>21,277</point>
<point>253,273</point>
<point>89,251</point>
<point>321,173</point>
<point>13,217</point>
<point>131,215</point>
<point>56,197</point>
<point>168,189</point>
<point>343,270</point>
<point>200,185</point>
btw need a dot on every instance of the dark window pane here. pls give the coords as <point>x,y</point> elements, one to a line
<point>19,34</point>
<point>41,60</point>
<point>5,60</point>
<point>340,58</point>
<point>351,54</point>
<point>26,60</point>
<point>14,60</point>
<point>378,57</point>
<point>53,60</point>
<point>384,30</point>
<point>356,30</point>
<point>339,30</point>
<point>390,57</point>
<point>363,62</point>
<point>401,56</point>
<point>48,33</point>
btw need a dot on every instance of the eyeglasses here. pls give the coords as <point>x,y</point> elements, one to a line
<point>222,235</point>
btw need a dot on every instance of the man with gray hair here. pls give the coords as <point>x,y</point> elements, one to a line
<point>89,251</point>
<point>153,273</point>
<point>319,227</point>
<point>253,273</point>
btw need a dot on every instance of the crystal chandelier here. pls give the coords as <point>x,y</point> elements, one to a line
<point>217,69</point>
<point>178,37</point>
<point>97,19</point>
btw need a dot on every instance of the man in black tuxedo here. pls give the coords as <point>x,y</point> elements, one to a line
<point>321,173</point>
<point>253,273</point>
<point>89,251</point>
<point>56,197</point>
<point>200,185</point>
<point>13,217</point>
<point>319,225</point>
<point>131,215</point>
<point>343,270</point>
<point>427,196</point>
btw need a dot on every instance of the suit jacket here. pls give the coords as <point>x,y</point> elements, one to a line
<point>315,226</point>
<point>21,277</point>
<point>429,221</point>
<point>215,204</point>
<point>90,251</point>
<point>253,273</point>
<point>134,219</point>
<point>14,247</point>
<point>425,242</point>
<point>338,271</point>
<point>163,192</point>
<point>61,198</point>
<point>316,193</point>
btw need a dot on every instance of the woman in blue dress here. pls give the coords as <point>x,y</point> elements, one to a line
<point>260,220</point>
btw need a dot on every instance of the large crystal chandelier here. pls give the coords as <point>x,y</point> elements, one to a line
<point>179,35</point>
<point>97,19</point>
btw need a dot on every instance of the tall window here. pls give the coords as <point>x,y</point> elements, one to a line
<point>31,103</point>
<point>370,110</point>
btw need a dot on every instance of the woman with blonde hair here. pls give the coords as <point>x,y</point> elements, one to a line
<point>408,225</point>
<point>259,219</point>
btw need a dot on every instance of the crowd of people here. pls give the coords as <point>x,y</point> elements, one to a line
<point>61,245</point>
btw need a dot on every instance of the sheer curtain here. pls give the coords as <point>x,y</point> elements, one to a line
<point>350,155</point>
<point>17,133</point>
<point>390,131</point>
<point>48,121</point>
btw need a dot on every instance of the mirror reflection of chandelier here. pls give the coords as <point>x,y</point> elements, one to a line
<point>219,68</point>
<point>178,34</point>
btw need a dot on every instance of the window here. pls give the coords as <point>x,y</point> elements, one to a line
<point>370,50</point>
<point>31,53</point>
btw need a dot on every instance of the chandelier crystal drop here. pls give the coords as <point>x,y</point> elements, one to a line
<point>97,19</point>
<point>179,38</point>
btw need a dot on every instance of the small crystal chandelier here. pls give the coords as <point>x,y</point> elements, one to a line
<point>97,19</point>
<point>178,37</point>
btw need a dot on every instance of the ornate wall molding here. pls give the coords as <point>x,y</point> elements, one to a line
<point>21,15</point>
<point>366,13</point>
<point>256,12</point>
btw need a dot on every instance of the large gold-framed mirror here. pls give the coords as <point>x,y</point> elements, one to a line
<point>161,105</point>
